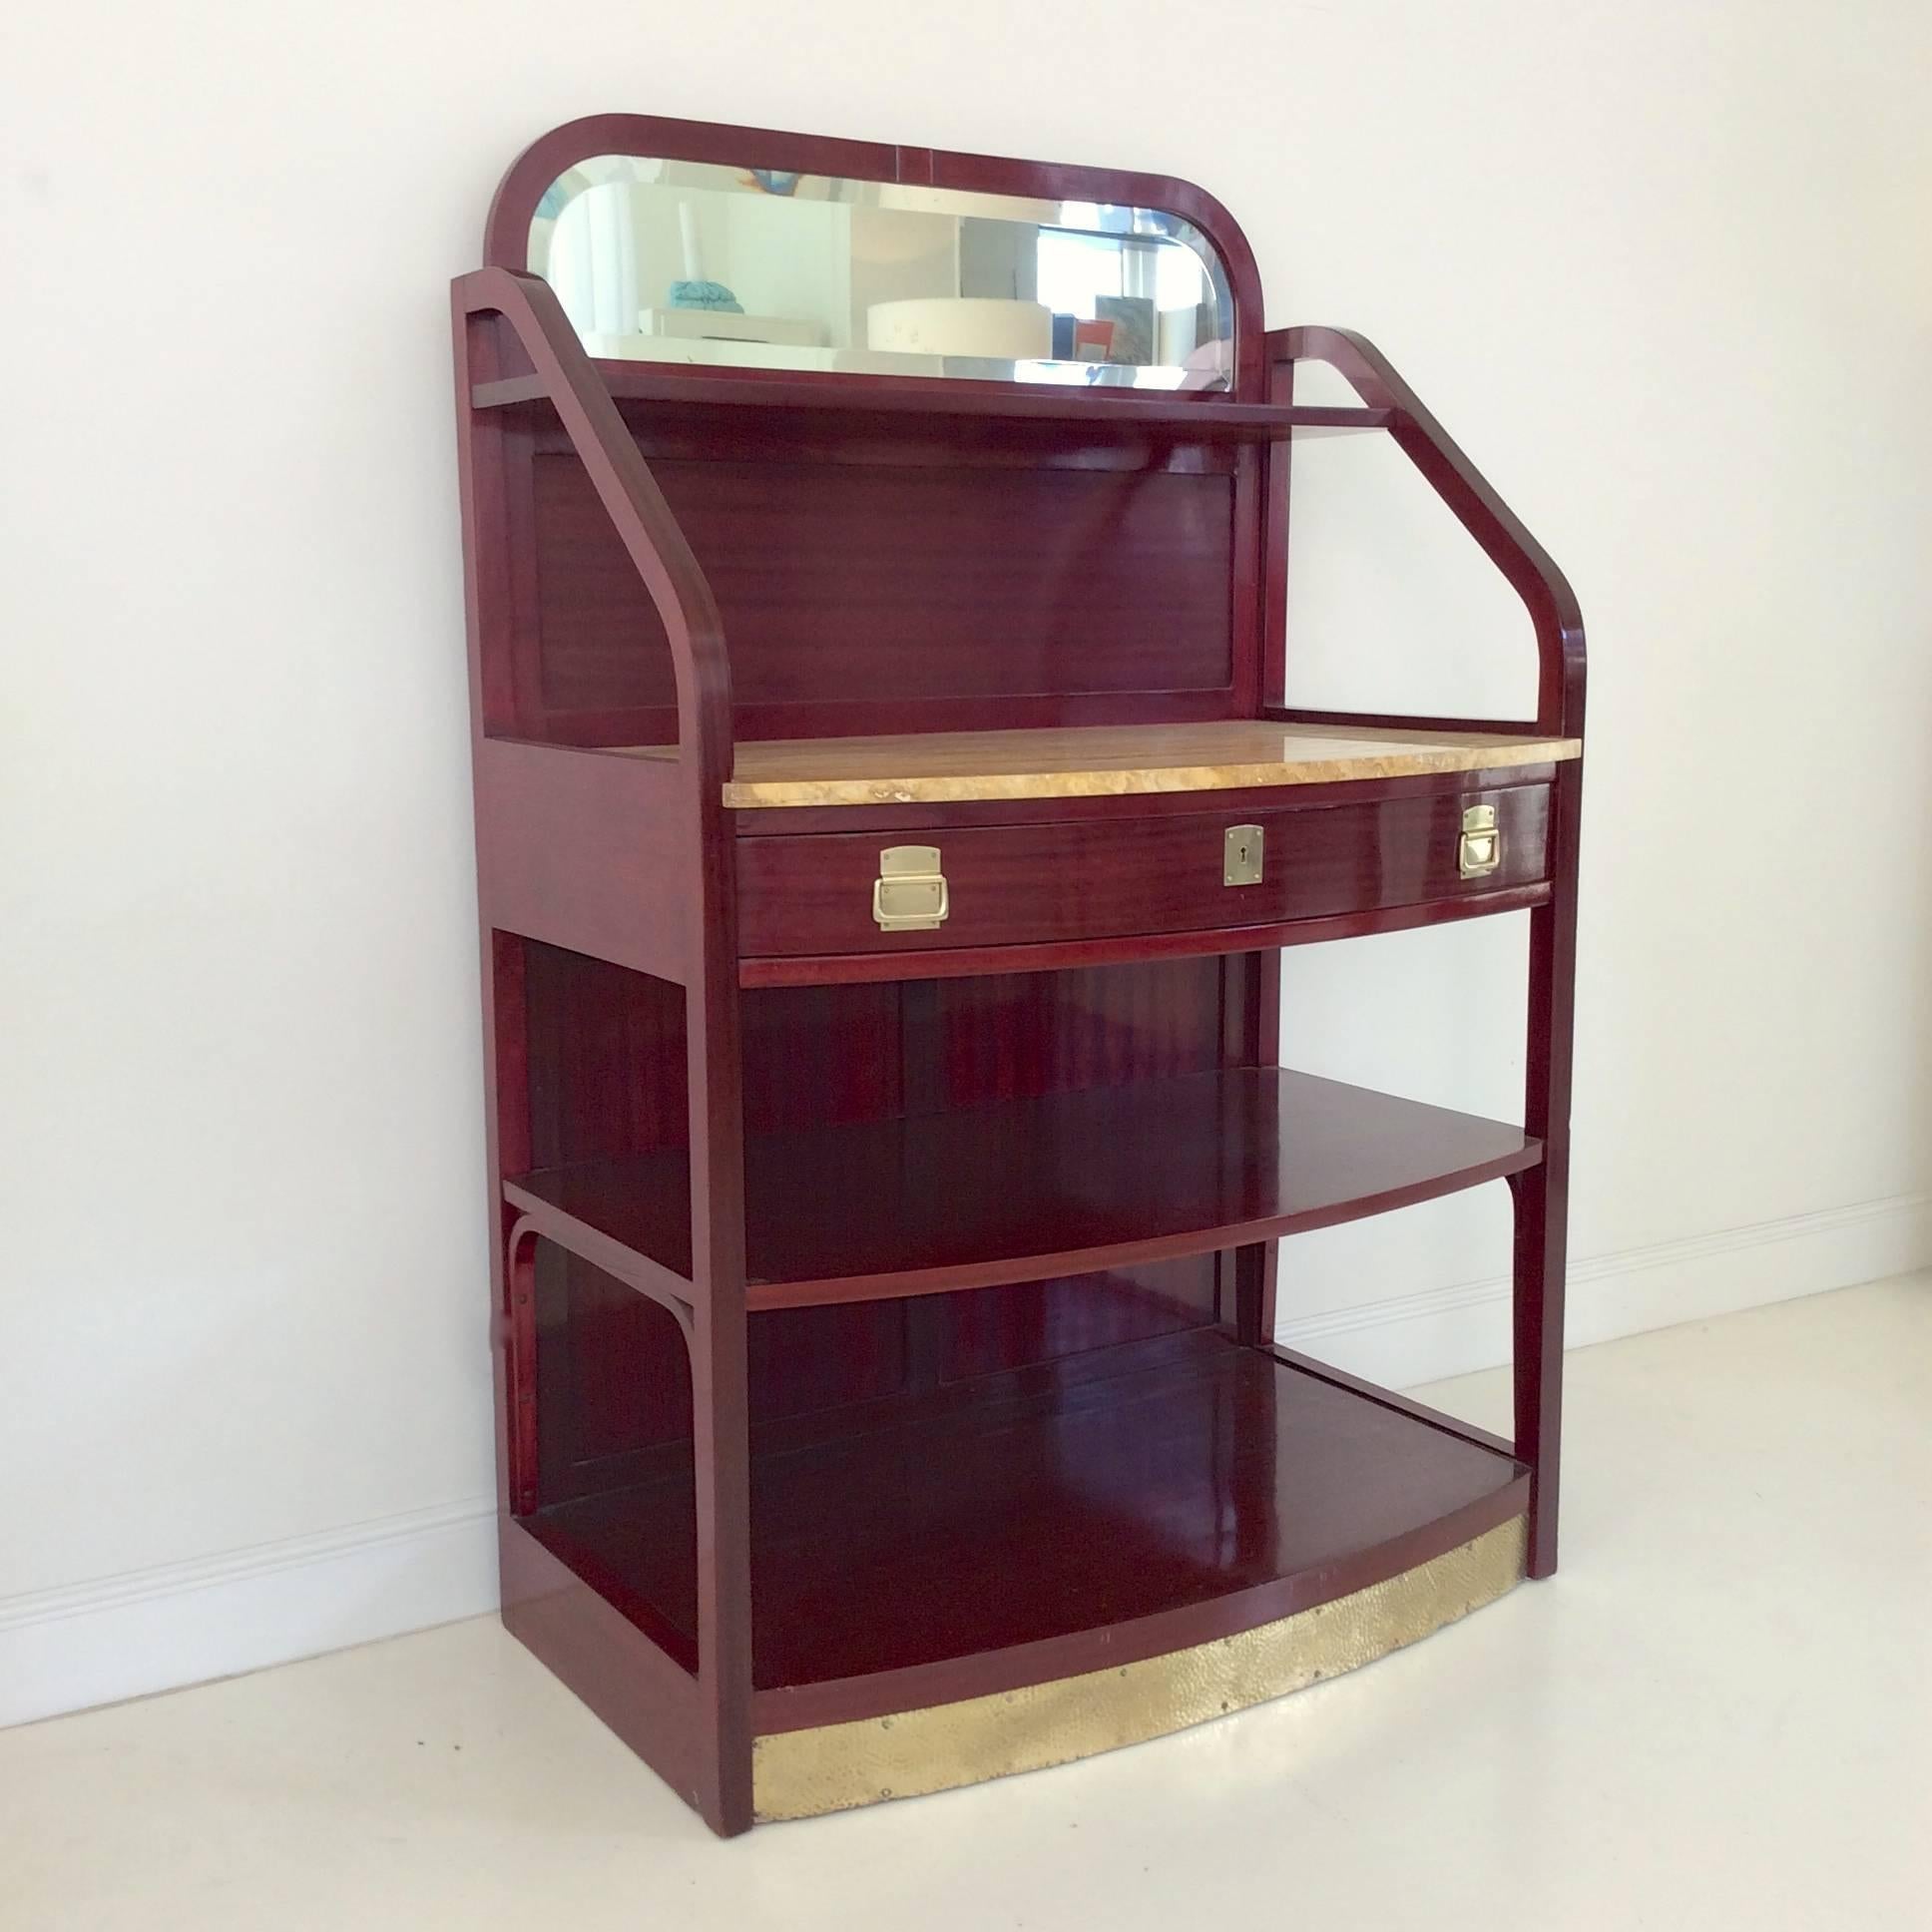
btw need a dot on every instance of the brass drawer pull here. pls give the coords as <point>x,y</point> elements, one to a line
<point>1480,850</point>
<point>909,894</point>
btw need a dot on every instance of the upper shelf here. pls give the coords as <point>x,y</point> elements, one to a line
<point>1055,410</point>
<point>1107,761</point>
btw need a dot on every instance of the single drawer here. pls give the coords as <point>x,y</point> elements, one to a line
<point>1125,874</point>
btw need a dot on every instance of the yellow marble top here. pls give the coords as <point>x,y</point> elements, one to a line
<point>1102,760</point>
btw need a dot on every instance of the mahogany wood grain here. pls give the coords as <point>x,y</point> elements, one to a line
<point>829,969</point>
<point>1091,1178</point>
<point>1120,1515</point>
<point>504,320</point>
<point>905,585</point>
<point>630,1680</point>
<point>1543,1202</point>
<point>606,1057</point>
<point>989,1332</point>
<point>654,394</point>
<point>1102,877</point>
<point>672,433</point>
<point>578,849</point>
<point>1390,1399</point>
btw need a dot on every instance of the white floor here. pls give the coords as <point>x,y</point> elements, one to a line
<point>1720,1715</point>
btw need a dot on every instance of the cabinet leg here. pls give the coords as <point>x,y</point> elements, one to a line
<point>721,1400</point>
<point>1538,1356</point>
<point>1253,1272</point>
<point>1542,1194</point>
<point>722,1465</point>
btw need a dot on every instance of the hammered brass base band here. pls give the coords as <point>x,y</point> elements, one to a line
<point>798,1773</point>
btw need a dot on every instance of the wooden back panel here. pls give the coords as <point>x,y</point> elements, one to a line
<point>862,597</point>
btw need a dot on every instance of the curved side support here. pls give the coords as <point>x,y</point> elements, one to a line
<point>630,497</point>
<point>1541,1193</point>
<point>517,1333</point>
<point>498,315</point>
<point>1530,571</point>
<point>516,1327</point>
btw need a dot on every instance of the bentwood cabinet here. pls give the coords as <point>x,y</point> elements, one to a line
<point>889,820</point>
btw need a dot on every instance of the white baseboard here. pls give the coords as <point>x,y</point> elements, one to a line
<point>183,1622</point>
<point>154,1630</point>
<point>1452,1330</point>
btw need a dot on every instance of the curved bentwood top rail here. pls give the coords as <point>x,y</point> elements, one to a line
<point>643,520</point>
<point>506,233</point>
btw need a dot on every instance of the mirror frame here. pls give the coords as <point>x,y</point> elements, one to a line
<point>506,233</point>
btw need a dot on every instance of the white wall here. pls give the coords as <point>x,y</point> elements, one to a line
<point>1663,268</point>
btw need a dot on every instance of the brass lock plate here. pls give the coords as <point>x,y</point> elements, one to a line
<point>1241,854</point>
<point>1480,849</point>
<point>909,894</point>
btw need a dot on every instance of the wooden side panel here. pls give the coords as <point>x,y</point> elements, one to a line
<point>579,849</point>
<point>607,1078</point>
<point>885,586</point>
<point>605,1054</point>
<point>626,1677</point>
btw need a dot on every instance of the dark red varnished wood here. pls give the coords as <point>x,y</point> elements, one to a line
<point>595,622</point>
<point>630,1680</point>
<point>1543,1202</point>
<point>1389,1399</point>
<point>906,589</point>
<point>1117,1516</point>
<point>1087,1179</point>
<point>830,969</point>
<point>655,394</point>
<point>580,850</point>
<point>1098,878</point>
<point>498,316</point>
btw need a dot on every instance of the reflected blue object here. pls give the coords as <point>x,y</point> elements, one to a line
<point>704,294</point>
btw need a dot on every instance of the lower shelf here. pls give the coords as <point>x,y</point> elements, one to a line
<point>1169,1495</point>
<point>833,1768</point>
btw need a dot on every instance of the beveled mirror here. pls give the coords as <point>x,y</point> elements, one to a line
<point>709,263</point>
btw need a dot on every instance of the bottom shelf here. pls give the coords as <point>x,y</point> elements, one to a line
<point>833,1768</point>
<point>1167,1494</point>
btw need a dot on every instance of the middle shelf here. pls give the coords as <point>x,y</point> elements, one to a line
<point>1057,1184</point>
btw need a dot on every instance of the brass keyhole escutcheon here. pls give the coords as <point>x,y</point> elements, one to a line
<point>1480,850</point>
<point>1242,856</point>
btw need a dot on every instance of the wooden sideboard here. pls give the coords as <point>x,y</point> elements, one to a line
<point>889,820</point>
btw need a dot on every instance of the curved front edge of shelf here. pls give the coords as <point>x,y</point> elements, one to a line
<point>834,1767</point>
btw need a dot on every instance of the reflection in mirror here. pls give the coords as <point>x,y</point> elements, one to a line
<point>697,262</point>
